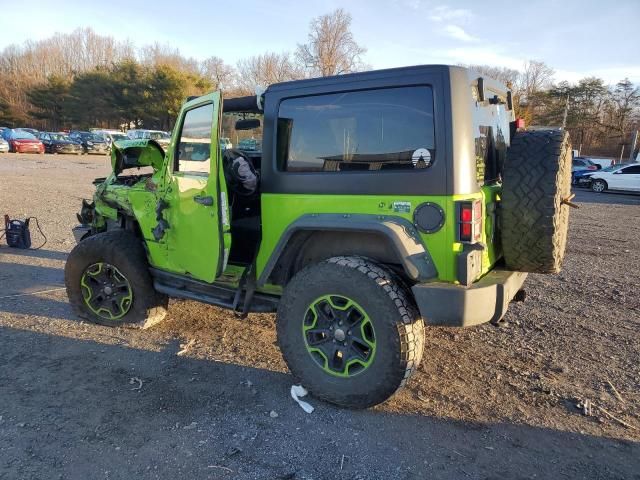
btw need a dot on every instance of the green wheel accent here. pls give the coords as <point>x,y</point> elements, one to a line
<point>339,335</point>
<point>106,291</point>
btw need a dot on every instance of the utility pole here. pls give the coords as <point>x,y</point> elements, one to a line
<point>566,112</point>
<point>634,141</point>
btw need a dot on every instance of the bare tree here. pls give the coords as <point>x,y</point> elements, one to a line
<point>526,85</point>
<point>331,48</point>
<point>157,55</point>
<point>263,70</point>
<point>625,104</point>
<point>221,75</point>
<point>536,78</point>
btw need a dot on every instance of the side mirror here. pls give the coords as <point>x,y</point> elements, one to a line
<point>248,124</point>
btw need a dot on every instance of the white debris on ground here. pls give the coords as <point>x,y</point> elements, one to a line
<point>297,392</point>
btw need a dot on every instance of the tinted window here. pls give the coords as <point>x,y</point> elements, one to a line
<point>385,129</point>
<point>158,135</point>
<point>631,170</point>
<point>93,137</point>
<point>194,150</point>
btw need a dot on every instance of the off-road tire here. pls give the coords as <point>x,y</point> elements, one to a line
<point>123,250</point>
<point>399,330</point>
<point>533,220</point>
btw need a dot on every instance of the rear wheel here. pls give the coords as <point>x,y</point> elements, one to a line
<point>598,186</point>
<point>349,331</point>
<point>108,281</point>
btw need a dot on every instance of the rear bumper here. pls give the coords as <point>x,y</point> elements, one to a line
<point>458,306</point>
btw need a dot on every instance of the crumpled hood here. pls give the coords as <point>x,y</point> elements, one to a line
<point>136,153</point>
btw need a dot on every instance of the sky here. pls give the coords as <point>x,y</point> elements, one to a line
<point>576,38</point>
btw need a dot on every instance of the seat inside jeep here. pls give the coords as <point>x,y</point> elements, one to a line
<point>244,131</point>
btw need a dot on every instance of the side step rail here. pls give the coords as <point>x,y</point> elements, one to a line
<point>180,286</point>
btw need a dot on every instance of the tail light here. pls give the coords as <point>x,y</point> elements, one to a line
<point>592,167</point>
<point>470,221</point>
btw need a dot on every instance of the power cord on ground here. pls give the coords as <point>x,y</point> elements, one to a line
<point>41,233</point>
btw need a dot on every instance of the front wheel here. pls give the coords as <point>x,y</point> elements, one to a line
<point>108,281</point>
<point>598,186</point>
<point>349,331</point>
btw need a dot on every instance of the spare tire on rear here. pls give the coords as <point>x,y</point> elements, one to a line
<point>534,220</point>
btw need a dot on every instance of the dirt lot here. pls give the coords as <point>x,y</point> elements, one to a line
<point>80,401</point>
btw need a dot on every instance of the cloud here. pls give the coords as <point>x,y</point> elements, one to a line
<point>443,13</point>
<point>459,33</point>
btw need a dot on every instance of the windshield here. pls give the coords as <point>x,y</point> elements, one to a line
<point>22,135</point>
<point>118,136</point>
<point>241,139</point>
<point>92,137</point>
<point>612,168</point>
<point>158,135</point>
<point>60,137</point>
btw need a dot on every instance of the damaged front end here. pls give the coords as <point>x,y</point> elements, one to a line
<point>122,201</point>
<point>86,219</point>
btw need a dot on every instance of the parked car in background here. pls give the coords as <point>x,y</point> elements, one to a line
<point>21,141</point>
<point>602,162</point>
<point>163,138</point>
<point>624,176</point>
<point>225,143</point>
<point>32,131</point>
<point>582,163</point>
<point>250,144</point>
<point>59,143</point>
<point>581,178</point>
<point>91,142</point>
<point>4,146</point>
<point>112,135</point>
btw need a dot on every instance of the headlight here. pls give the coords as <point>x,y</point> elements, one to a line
<point>89,143</point>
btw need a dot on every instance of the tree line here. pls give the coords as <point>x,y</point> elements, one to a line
<point>83,79</point>
<point>601,119</point>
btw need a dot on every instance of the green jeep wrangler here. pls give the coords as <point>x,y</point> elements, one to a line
<point>385,200</point>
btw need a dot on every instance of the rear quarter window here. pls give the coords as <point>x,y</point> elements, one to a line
<point>369,130</point>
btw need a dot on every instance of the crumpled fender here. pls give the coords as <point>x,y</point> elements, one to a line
<point>136,153</point>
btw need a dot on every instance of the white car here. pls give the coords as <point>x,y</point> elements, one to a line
<point>163,138</point>
<point>4,145</point>
<point>624,176</point>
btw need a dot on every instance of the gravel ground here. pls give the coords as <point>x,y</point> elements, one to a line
<point>81,401</point>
